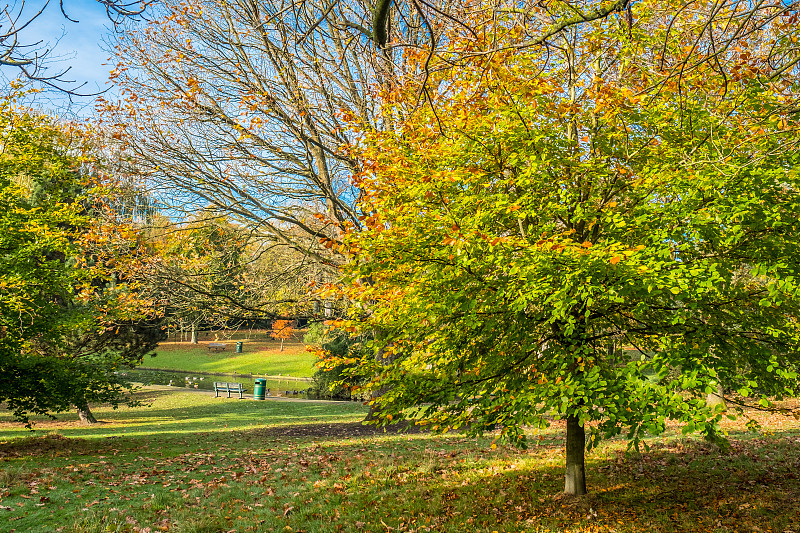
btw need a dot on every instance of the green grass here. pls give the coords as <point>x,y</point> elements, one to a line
<point>194,463</point>
<point>258,358</point>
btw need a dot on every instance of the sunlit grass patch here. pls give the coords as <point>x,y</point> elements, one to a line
<point>187,412</point>
<point>257,358</point>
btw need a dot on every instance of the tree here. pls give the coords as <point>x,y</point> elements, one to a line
<point>242,115</point>
<point>245,108</point>
<point>580,233</point>
<point>211,274</point>
<point>198,267</point>
<point>65,328</point>
<point>532,24</point>
<point>282,329</point>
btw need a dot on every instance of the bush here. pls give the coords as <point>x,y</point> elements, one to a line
<point>337,383</point>
<point>316,335</point>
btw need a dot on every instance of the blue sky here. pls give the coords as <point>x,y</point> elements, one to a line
<point>77,46</point>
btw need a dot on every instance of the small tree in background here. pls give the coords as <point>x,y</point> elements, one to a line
<point>282,330</point>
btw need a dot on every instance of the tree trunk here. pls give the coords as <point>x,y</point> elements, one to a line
<point>374,410</point>
<point>575,479</point>
<point>85,414</point>
<point>194,333</point>
<point>717,397</point>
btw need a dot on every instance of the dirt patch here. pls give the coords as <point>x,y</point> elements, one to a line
<point>47,445</point>
<point>349,429</point>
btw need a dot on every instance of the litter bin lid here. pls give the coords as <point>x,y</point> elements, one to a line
<point>260,380</point>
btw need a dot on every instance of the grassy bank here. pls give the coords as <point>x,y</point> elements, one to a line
<point>193,463</point>
<point>260,356</point>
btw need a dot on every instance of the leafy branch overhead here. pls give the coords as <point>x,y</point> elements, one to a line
<point>575,13</point>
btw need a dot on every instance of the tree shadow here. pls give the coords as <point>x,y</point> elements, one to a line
<point>681,485</point>
<point>343,430</point>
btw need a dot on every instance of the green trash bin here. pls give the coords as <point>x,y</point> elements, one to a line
<point>260,389</point>
<point>239,346</point>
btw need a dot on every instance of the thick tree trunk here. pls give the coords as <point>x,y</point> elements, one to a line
<point>575,479</point>
<point>717,397</point>
<point>713,400</point>
<point>194,334</point>
<point>85,414</point>
<point>374,410</point>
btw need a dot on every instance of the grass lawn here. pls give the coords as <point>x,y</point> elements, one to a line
<point>261,355</point>
<point>195,463</point>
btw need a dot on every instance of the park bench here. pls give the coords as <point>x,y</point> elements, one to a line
<point>229,388</point>
<point>217,346</point>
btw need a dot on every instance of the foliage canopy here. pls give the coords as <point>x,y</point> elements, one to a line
<point>66,321</point>
<point>577,231</point>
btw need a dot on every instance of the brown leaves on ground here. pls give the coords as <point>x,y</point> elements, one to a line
<point>46,445</point>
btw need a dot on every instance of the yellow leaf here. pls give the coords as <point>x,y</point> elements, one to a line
<point>615,259</point>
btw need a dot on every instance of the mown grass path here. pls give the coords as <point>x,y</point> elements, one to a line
<point>194,463</point>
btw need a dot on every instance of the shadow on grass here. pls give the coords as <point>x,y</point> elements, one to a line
<point>681,486</point>
<point>57,444</point>
<point>206,404</point>
<point>343,430</point>
<point>692,486</point>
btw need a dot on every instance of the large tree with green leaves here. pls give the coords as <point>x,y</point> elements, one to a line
<point>66,323</point>
<point>582,232</point>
